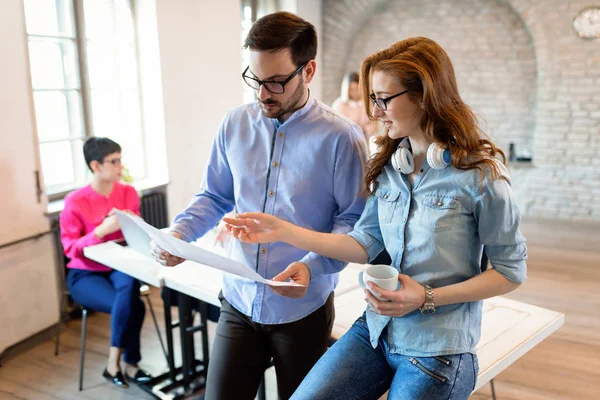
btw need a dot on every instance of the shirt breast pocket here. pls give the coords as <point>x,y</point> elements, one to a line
<point>387,202</point>
<point>438,213</point>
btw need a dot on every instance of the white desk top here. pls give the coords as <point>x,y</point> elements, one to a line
<point>509,329</point>
<point>128,261</point>
<point>195,280</point>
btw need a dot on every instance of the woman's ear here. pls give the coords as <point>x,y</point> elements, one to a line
<point>94,166</point>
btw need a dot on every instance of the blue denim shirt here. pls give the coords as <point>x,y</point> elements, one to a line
<point>435,233</point>
<point>308,171</point>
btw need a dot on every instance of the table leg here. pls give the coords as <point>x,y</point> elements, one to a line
<point>187,341</point>
<point>168,323</point>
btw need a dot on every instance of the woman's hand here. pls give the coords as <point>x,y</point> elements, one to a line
<point>410,297</point>
<point>110,224</point>
<point>256,227</point>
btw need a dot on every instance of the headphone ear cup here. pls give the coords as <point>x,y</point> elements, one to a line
<point>403,161</point>
<point>438,157</point>
<point>395,158</point>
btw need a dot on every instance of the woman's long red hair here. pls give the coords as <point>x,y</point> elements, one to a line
<point>425,70</point>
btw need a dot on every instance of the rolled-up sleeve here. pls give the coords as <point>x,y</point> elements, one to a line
<point>499,220</point>
<point>366,231</point>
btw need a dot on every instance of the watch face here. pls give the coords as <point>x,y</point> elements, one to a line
<point>428,310</point>
<point>587,23</point>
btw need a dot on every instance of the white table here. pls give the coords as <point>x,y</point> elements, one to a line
<point>509,329</point>
<point>127,261</point>
<point>204,283</point>
<point>189,278</point>
<point>196,280</point>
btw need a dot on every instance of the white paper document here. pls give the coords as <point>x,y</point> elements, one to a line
<point>186,250</point>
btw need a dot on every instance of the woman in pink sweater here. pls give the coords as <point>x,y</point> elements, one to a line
<point>87,219</point>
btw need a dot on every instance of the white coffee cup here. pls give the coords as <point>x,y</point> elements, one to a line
<point>384,276</point>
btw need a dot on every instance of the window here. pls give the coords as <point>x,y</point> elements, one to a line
<point>247,20</point>
<point>251,11</point>
<point>85,79</point>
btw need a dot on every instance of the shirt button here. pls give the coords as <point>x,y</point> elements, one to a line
<point>439,203</point>
<point>271,193</point>
<point>275,163</point>
<point>385,197</point>
<point>263,250</point>
<point>281,134</point>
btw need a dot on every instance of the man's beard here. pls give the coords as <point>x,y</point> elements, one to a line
<point>290,106</point>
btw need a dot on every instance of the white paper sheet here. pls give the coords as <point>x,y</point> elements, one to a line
<point>190,252</point>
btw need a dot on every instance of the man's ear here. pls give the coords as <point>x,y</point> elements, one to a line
<point>309,71</point>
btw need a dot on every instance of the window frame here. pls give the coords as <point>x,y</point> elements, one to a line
<point>80,40</point>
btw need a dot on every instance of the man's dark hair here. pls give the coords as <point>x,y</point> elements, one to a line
<point>97,148</point>
<point>282,30</point>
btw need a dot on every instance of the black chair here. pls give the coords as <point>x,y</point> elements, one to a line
<point>145,293</point>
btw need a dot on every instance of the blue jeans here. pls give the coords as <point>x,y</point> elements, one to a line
<point>117,294</point>
<point>351,369</point>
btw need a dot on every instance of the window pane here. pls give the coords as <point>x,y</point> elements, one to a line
<point>125,28</point>
<point>128,69</point>
<point>57,162</point>
<point>101,64</point>
<point>99,19</point>
<point>53,64</point>
<point>131,137</point>
<point>106,112</point>
<point>58,115</point>
<point>49,17</point>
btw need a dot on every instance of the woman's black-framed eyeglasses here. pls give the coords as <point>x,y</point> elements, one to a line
<point>114,161</point>
<point>275,87</point>
<point>382,103</point>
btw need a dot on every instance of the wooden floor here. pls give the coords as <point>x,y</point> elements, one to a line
<point>564,275</point>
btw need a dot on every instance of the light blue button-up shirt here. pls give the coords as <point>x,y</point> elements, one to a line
<point>308,171</point>
<point>435,233</point>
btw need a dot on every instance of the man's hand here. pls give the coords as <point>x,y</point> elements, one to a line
<point>298,272</point>
<point>164,257</point>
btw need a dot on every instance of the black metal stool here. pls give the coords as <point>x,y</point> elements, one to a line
<point>144,292</point>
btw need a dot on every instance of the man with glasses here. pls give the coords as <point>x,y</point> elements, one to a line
<point>289,155</point>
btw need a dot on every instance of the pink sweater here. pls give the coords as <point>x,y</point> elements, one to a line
<point>84,210</point>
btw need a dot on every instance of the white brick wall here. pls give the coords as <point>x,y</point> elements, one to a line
<point>519,65</point>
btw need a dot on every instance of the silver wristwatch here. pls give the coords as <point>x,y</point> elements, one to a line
<point>428,307</point>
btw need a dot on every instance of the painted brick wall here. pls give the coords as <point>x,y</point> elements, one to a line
<point>519,65</point>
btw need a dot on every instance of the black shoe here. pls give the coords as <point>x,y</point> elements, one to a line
<point>117,379</point>
<point>141,376</point>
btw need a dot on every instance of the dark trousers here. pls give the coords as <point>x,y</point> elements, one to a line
<point>117,294</point>
<point>242,350</point>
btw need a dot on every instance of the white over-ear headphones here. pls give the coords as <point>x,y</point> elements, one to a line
<point>438,157</point>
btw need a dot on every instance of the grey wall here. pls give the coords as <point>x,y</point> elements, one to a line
<point>519,65</point>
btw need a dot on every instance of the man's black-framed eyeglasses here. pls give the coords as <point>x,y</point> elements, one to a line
<point>275,87</point>
<point>382,103</point>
